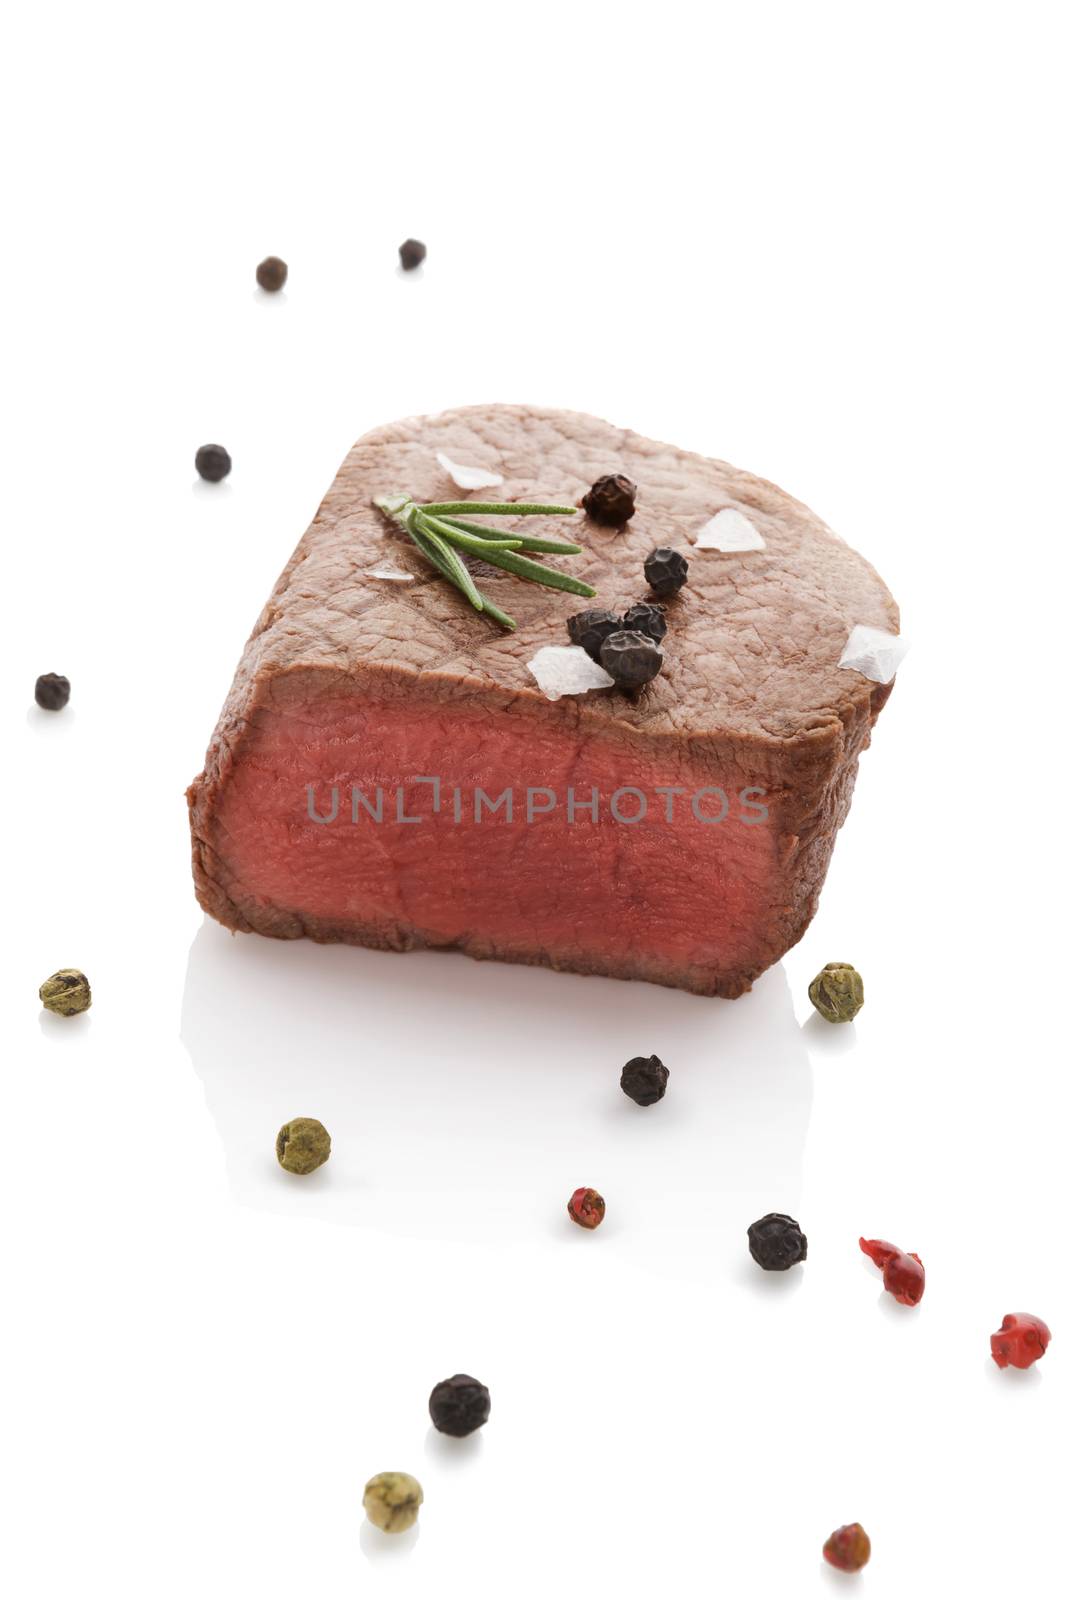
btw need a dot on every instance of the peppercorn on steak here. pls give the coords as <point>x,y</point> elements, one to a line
<point>386,770</point>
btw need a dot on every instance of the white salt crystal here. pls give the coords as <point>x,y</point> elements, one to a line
<point>729,530</point>
<point>874,652</point>
<point>392,574</point>
<point>468,477</point>
<point>566,669</point>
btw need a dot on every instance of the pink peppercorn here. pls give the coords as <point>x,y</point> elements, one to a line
<point>848,1549</point>
<point>586,1208</point>
<point>1020,1340</point>
<point>904,1276</point>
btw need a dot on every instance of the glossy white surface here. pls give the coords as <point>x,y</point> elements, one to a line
<point>818,241</point>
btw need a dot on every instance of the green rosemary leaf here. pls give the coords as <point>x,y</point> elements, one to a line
<point>423,545</point>
<point>448,561</point>
<point>472,540</point>
<point>493,535</point>
<point>551,547</point>
<point>490,610</point>
<point>460,576</point>
<point>497,508</point>
<point>533,570</point>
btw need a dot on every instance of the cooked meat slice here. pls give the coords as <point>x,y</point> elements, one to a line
<point>352,689</point>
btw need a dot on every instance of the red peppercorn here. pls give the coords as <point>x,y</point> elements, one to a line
<point>903,1275</point>
<point>848,1549</point>
<point>586,1208</point>
<point>1020,1340</point>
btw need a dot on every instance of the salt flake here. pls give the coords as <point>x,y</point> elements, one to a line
<point>468,477</point>
<point>729,530</point>
<point>566,669</point>
<point>874,652</point>
<point>392,574</point>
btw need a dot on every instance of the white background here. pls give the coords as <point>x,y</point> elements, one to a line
<point>819,240</point>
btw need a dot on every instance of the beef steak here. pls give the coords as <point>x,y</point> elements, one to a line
<point>742,752</point>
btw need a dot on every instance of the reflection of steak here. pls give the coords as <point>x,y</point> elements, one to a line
<point>351,681</point>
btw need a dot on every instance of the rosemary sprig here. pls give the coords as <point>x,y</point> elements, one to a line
<point>495,508</point>
<point>549,546</point>
<point>437,534</point>
<point>456,570</point>
<point>470,539</point>
<point>488,609</point>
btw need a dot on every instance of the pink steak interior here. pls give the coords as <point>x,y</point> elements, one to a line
<point>653,893</point>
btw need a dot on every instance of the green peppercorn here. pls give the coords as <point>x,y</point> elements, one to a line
<point>66,992</point>
<point>392,1500</point>
<point>837,992</point>
<point>302,1145</point>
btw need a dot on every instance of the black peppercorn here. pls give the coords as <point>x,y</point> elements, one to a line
<point>213,462</point>
<point>644,1079</point>
<point>666,571</point>
<point>610,500</point>
<point>776,1242</point>
<point>591,628</point>
<point>646,618</point>
<point>459,1405</point>
<point>51,691</point>
<point>272,273</point>
<point>632,659</point>
<point>412,254</point>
